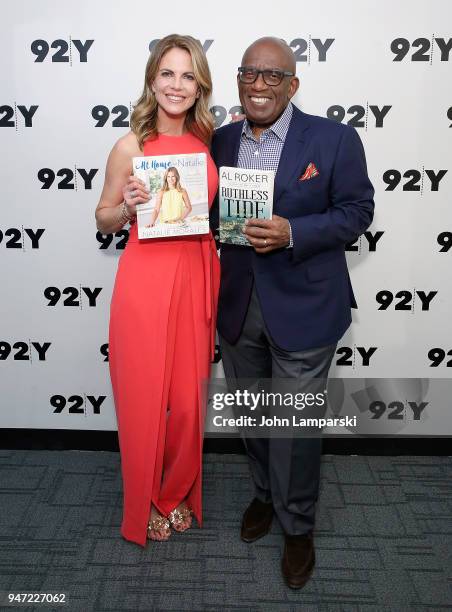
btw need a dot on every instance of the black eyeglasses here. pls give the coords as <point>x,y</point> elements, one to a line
<point>271,77</point>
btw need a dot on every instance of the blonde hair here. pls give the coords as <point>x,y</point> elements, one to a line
<point>165,179</point>
<point>199,120</point>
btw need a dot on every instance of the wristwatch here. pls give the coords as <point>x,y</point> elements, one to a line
<point>290,245</point>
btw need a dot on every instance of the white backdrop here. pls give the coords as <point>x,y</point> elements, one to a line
<point>70,72</point>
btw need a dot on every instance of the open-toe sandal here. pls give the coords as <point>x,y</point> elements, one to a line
<point>178,518</point>
<point>161,526</point>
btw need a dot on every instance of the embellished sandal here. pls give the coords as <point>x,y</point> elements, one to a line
<point>159,525</point>
<point>178,518</point>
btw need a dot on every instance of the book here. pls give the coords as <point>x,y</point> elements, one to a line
<point>243,194</point>
<point>178,202</point>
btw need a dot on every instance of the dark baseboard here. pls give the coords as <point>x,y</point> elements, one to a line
<point>70,439</point>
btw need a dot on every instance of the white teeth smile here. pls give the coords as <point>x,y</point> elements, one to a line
<point>259,100</point>
<point>175,98</point>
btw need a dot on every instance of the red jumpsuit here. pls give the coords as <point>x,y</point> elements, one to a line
<point>162,331</point>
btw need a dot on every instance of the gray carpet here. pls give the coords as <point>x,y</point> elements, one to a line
<point>382,539</point>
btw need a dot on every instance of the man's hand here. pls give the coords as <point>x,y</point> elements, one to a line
<point>266,235</point>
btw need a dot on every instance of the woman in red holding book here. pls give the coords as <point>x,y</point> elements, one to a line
<point>163,309</point>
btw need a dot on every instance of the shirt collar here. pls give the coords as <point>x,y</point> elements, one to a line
<point>279,128</point>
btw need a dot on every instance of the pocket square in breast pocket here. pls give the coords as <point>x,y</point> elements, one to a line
<point>310,172</point>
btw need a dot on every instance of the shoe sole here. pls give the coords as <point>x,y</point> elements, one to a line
<point>297,585</point>
<point>258,537</point>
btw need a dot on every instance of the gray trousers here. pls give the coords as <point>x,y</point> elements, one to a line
<point>285,471</point>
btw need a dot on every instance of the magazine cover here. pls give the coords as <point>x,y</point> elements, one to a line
<point>178,202</point>
<point>244,194</point>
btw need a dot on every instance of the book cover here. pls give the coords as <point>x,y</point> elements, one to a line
<point>178,202</point>
<point>244,194</point>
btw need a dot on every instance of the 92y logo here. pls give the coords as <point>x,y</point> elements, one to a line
<point>68,177</point>
<point>307,50</point>
<point>418,180</point>
<point>407,300</point>
<point>355,356</point>
<point>23,351</point>
<point>106,240</point>
<point>220,113</point>
<point>15,238</point>
<point>101,114</point>
<point>10,117</point>
<point>77,404</point>
<point>397,410</point>
<point>370,237</point>
<point>74,296</point>
<point>425,49</point>
<point>64,51</point>
<point>360,116</point>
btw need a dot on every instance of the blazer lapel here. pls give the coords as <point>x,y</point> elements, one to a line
<point>235,150</point>
<point>230,148</point>
<point>291,159</point>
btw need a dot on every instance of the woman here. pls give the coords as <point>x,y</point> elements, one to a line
<point>162,317</point>
<point>172,202</point>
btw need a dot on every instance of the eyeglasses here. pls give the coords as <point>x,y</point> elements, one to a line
<point>271,77</point>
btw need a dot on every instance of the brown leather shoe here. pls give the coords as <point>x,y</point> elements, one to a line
<point>298,560</point>
<point>257,520</point>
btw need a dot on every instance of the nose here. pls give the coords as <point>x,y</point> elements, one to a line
<point>259,83</point>
<point>177,82</point>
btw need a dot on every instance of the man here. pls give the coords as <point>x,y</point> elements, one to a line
<point>285,301</point>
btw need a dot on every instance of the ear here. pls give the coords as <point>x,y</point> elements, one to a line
<point>293,87</point>
<point>198,93</point>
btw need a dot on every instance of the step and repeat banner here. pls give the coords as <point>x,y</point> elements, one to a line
<point>70,75</point>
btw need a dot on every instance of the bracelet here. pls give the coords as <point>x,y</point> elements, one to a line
<point>124,216</point>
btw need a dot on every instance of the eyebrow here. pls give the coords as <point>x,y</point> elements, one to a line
<point>256,68</point>
<point>169,70</point>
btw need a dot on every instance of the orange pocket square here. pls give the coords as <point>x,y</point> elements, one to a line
<point>310,172</point>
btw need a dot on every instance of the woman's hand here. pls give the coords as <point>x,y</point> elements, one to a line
<point>134,192</point>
